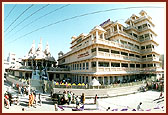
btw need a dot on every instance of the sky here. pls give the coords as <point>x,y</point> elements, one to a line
<point>21,26</point>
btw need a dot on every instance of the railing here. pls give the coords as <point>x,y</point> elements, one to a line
<point>108,69</point>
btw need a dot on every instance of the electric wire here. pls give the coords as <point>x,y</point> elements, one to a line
<point>18,17</point>
<point>27,18</point>
<point>80,16</point>
<point>9,13</point>
<point>40,18</point>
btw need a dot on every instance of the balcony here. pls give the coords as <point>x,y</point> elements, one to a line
<point>148,50</point>
<point>111,43</point>
<point>118,69</point>
<point>150,59</point>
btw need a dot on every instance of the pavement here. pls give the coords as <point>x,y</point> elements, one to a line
<point>149,99</point>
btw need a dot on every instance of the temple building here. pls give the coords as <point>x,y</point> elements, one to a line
<point>34,62</point>
<point>114,53</point>
<point>37,58</point>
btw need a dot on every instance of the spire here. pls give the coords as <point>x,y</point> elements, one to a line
<point>40,46</point>
<point>47,49</point>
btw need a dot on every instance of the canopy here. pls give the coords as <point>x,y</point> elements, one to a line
<point>95,82</point>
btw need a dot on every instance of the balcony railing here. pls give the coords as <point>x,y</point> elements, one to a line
<point>110,69</point>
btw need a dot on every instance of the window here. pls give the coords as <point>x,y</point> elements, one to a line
<point>87,65</point>
<point>124,65</point>
<point>103,50</point>
<point>137,65</point>
<point>115,52</point>
<point>103,64</point>
<point>79,40</point>
<point>137,56</point>
<point>73,67</point>
<point>136,46</point>
<point>123,53</point>
<point>83,65</point>
<point>93,50</point>
<point>139,27</point>
<point>149,55</point>
<point>77,66</point>
<point>132,65</point>
<point>123,42</point>
<point>148,46</point>
<point>130,44</point>
<point>131,55</point>
<point>80,66</point>
<point>93,64</point>
<point>144,25</point>
<point>115,64</point>
<point>146,35</point>
<point>150,65</point>
<point>142,47</point>
<point>143,65</point>
<point>135,35</point>
<point>144,56</point>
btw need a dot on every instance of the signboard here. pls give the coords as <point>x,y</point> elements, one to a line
<point>107,21</point>
<point>83,55</point>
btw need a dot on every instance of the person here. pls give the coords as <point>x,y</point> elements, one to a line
<point>6,100</point>
<point>73,98</point>
<point>161,95</point>
<point>31,99</point>
<point>13,85</point>
<point>139,107</point>
<point>83,98</point>
<point>56,107</point>
<point>108,109</point>
<point>95,99</point>
<point>35,102</point>
<point>69,97</point>
<point>40,99</point>
<point>66,97</point>
<point>77,102</point>
<point>22,91</point>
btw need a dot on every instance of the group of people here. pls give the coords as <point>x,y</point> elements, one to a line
<point>21,89</point>
<point>69,97</point>
<point>33,99</point>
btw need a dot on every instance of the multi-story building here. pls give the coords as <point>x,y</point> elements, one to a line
<point>114,53</point>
